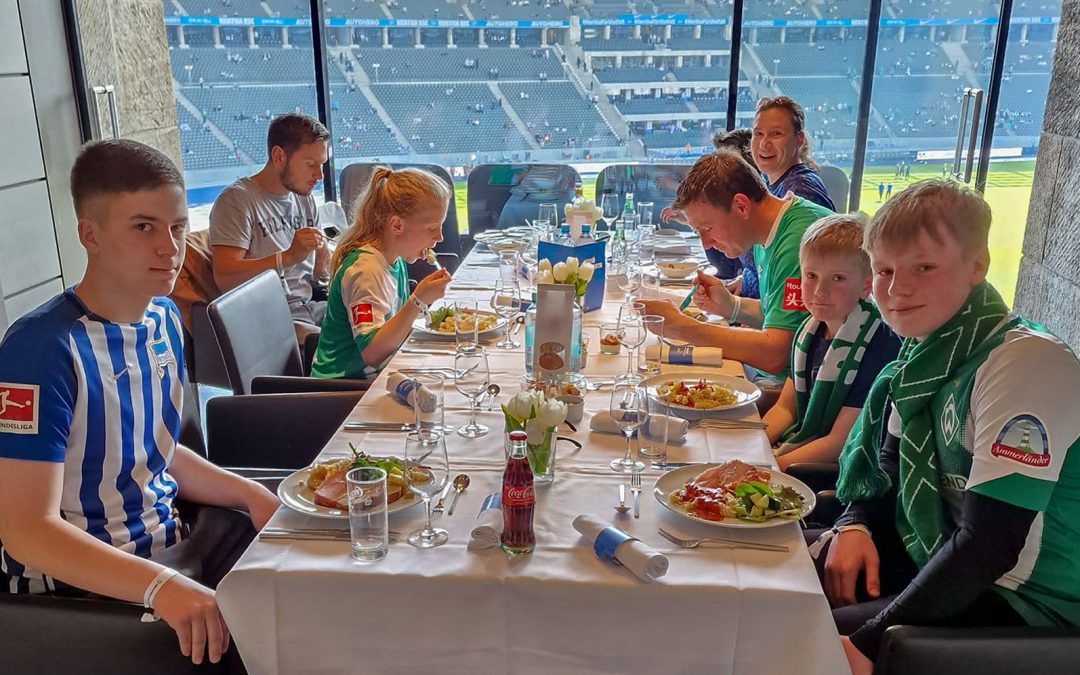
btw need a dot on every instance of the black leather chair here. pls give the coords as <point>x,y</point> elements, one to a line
<point>918,650</point>
<point>275,431</point>
<point>254,331</point>
<point>488,191</point>
<point>656,183</point>
<point>355,178</point>
<point>48,634</point>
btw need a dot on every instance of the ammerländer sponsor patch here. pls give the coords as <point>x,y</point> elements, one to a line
<point>1023,439</point>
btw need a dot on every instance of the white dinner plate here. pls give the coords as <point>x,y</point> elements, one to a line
<point>295,494</point>
<point>745,391</point>
<point>420,329</point>
<point>673,481</point>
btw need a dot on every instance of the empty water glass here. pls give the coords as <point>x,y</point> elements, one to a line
<point>428,401</point>
<point>368,526</point>
<point>645,215</point>
<point>654,444</point>
<point>466,335</point>
<point>653,349</point>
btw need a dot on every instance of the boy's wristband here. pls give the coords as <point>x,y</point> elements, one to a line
<point>152,590</point>
<point>735,311</point>
<point>278,264</point>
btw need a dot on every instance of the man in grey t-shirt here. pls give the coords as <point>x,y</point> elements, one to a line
<point>269,221</point>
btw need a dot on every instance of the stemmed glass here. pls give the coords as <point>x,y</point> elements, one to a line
<point>506,302</point>
<point>426,471</point>
<point>632,332</point>
<point>472,365</point>
<point>549,215</point>
<point>630,280</point>
<point>610,208</point>
<point>629,408</point>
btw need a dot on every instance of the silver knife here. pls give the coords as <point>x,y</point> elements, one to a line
<point>377,426</point>
<point>417,350</point>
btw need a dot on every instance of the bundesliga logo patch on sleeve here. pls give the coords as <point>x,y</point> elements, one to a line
<point>793,295</point>
<point>361,313</point>
<point>18,408</point>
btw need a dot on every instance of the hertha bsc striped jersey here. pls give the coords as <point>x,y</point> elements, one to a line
<point>104,399</point>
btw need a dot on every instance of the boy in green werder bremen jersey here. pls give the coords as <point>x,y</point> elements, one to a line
<point>962,473</point>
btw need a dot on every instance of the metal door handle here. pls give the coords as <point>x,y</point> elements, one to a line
<point>110,93</point>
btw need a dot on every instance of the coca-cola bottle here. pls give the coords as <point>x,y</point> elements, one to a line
<point>518,499</point>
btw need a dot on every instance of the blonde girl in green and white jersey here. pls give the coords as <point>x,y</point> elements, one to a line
<point>370,311</point>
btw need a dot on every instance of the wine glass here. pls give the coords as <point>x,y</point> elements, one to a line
<point>471,379</point>
<point>549,214</point>
<point>425,471</point>
<point>629,409</point>
<point>632,332</point>
<point>610,208</point>
<point>506,302</point>
<point>630,280</point>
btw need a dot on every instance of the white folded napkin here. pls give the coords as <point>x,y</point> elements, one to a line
<point>645,562</point>
<point>487,532</point>
<point>688,355</point>
<point>401,388</point>
<point>677,428</point>
<point>670,246</point>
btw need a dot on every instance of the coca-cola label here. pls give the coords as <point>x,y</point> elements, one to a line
<point>518,495</point>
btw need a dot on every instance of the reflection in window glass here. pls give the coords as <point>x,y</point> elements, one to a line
<point>234,66</point>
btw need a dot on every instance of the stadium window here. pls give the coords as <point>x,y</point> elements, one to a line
<point>235,64</point>
<point>920,73</point>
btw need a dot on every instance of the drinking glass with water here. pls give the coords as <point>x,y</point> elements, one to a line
<point>367,513</point>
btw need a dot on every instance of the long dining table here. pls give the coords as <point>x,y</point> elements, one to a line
<point>307,607</point>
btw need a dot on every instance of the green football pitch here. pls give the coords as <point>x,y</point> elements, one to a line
<point>1008,191</point>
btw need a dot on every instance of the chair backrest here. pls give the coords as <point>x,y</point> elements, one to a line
<point>504,195</point>
<point>283,431</point>
<point>254,330</point>
<point>355,178</point>
<point>656,183</point>
<point>837,183</point>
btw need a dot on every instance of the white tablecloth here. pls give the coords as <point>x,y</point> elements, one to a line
<point>306,607</point>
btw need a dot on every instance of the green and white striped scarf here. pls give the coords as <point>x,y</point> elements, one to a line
<point>818,406</point>
<point>910,383</point>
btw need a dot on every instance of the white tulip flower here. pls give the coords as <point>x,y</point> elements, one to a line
<point>544,265</point>
<point>586,272</point>
<point>545,277</point>
<point>536,431</point>
<point>520,405</point>
<point>571,266</point>
<point>559,272</point>
<point>552,412</point>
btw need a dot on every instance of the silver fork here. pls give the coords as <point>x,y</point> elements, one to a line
<point>635,487</point>
<point>730,543</point>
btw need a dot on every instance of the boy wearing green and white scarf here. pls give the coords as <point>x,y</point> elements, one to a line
<point>962,474</point>
<point>837,352</point>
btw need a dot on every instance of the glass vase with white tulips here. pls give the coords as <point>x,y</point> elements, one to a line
<point>538,416</point>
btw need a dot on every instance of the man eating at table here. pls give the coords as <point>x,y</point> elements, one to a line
<point>726,202</point>
<point>90,396</point>
<point>962,472</point>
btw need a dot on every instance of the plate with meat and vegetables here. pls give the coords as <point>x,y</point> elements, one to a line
<point>734,494</point>
<point>320,490</point>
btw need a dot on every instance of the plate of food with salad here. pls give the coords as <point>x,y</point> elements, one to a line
<point>439,323</point>
<point>734,494</point>
<point>696,394</point>
<point>320,490</point>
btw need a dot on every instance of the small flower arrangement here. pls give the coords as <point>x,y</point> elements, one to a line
<point>533,413</point>
<point>568,272</point>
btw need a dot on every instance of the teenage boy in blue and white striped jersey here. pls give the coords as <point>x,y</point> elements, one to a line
<point>90,398</point>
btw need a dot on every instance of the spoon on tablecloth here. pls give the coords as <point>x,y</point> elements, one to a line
<point>461,481</point>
